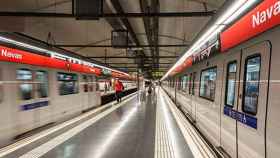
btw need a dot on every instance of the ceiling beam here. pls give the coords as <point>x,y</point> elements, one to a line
<point>135,70</point>
<point>135,64</point>
<point>122,47</point>
<point>155,25</point>
<point>148,31</point>
<point>109,15</point>
<point>121,67</point>
<point>119,10</point>
<point>129,57</point>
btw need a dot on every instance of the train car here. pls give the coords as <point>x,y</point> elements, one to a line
<point>39,89</point>
<point>233,95</point>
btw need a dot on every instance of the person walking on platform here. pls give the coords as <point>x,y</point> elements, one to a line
<point>118,89</point>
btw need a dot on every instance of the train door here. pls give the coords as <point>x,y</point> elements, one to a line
<point>230,90</point>
<point>91,93</point>
<point>96,90</point>
<point>26,118</point>
<point>192,93</point>
<point>41,100</point>
<point>252,101</point>
<point>86,92</point>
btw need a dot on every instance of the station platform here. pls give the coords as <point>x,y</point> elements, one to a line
<point>141,126</point>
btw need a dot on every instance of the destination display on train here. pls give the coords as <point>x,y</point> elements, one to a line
<point>241,117</point>
<point>262,18</point>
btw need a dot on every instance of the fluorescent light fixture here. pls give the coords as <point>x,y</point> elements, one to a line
<point>232,13</point>
<point>52,53</point>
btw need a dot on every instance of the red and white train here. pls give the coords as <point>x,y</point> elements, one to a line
<point>42,87</point>
<point>233,94</point>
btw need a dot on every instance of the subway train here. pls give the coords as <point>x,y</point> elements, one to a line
<point>231,90</point>
<point>38,89</point>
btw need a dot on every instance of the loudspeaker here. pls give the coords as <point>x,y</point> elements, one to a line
<point>87,9</point>
<point>119,38</point>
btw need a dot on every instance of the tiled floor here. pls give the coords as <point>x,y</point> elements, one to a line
<point>133,130</point>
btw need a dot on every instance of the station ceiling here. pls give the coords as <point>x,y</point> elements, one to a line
<point>159,40</point>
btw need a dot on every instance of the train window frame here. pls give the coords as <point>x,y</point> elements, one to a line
<point>226,86</point>
<point>203,70</point>
<point>75,86</point>
<point>182,82</point>
<point>187,76</point>
<point>193,83</point>
<point>90,77</point>
<point>85,83</point>
<point>179,83</point>
<point>97,85</point>
<point>23,82</point>
<point>190,83</point>
<point>38,84</point>
<point>244,83</point>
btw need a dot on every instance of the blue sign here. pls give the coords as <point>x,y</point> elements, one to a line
<point>241,117</point>
<point>34,105</point>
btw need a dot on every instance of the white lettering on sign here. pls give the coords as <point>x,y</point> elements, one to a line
<point>262,16</point>
<point>8,54</point>
<point>92,70</point>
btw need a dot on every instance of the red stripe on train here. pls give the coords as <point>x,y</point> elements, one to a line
<point>264,17</point>
<point>24,57</point>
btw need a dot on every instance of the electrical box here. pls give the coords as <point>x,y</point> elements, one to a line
<point>119,38</point>
<point>87,9</point>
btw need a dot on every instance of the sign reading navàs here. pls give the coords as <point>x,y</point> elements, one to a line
<point>263,17</point>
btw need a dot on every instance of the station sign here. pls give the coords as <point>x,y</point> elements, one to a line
<point>263,17</point>
<point>157,74</point>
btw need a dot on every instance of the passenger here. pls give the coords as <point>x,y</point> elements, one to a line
<point>150,89</point>
<point>118,88</point>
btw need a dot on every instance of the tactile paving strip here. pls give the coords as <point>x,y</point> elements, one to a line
<point>163,143</point>
<point>196,143</point>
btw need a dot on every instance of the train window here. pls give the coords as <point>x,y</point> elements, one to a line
<point>90,83</point>
<point>85,83</point>
<point>68,83</point>
<point>251,84</point>
<point>230,83</point>
<point>180,81</point>
<point>96,84</point>
<point>25,87</point>
<point>184,82</point>
<point>190,83</point>
<point>208,83</point>
<point>42,79</point>
<point>193,83</point>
